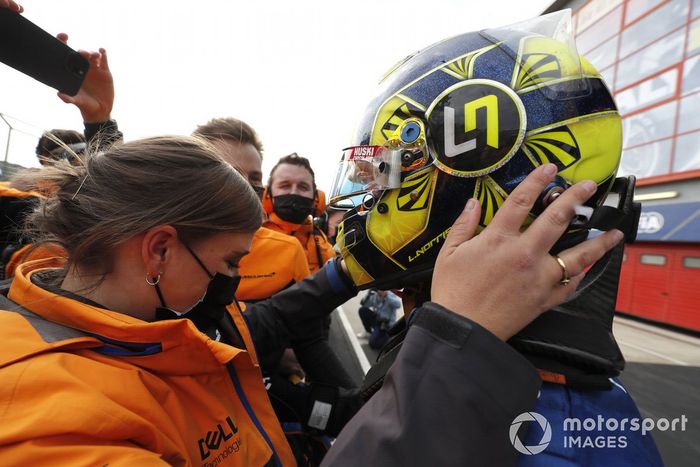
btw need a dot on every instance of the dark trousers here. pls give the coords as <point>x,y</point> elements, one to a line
<point>377,333</point>
<point>368,317</point>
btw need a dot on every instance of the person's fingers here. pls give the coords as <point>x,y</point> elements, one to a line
<point>85,54</point>
<point>92,57</point>
<point>105,63</point>
<point>561,293</point>
<point>512,214</point>
<point>65,98</point>
<point>63,37</point>
<point>12,6</point>
<point>553,222</point>
<point>577,259</point>
<point>463,228</point>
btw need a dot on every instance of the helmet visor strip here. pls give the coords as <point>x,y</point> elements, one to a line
<point>553,68</point>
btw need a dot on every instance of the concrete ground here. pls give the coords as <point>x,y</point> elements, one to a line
<point>663,377</point>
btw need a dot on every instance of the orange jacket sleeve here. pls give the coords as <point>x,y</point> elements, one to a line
<point>275,261</point>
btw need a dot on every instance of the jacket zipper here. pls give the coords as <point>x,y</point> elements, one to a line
<point>251,414</point>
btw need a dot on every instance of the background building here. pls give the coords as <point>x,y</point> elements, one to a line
<point>648,51</point>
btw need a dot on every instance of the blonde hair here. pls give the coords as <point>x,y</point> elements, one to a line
<point>132,187</point>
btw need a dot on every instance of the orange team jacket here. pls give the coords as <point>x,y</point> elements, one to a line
<point>275,262</point>
<point>7,190</point>
<point>26,252</point>
<point>312,240</point>
<point>32,252</point>
<point>104,388</point>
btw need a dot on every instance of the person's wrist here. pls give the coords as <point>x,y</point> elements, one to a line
<point>100,125</point>
<point>96,117</point>
<point>503,329</point>
<point>338,275</point>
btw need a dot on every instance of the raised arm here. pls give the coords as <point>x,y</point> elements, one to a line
<point>95,98</point>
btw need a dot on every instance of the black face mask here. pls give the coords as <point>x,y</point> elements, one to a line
<point>211,308</point>
<point>292,208</point>
<point>209,312</point>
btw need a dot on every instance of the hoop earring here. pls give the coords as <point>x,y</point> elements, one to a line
<point>154,282</point>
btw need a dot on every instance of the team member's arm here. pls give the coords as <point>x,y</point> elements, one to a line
<point>95,99</point>
<point>298,312</point>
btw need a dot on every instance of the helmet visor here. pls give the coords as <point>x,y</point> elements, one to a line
<point>365,169</point>
<point>547,57</point>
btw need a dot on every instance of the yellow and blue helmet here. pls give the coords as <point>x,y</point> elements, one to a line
<point>470,116</point>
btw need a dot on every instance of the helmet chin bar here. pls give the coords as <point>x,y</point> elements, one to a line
<point>625,216</point>
<point>575,339</point>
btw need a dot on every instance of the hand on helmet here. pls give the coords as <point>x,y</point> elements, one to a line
<point>504,278</point>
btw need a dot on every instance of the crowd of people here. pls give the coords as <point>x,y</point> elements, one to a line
<point>150,320</point>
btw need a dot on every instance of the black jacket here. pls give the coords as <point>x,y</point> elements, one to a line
<point>448,400</point>
<point>295,317</point>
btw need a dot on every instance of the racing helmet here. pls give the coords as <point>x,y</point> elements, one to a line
<point>470,116</point>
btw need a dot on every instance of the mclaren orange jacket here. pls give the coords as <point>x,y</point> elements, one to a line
<point>317,247</point>
<point>7,190</point>
<point>32,252</point>
<point>14,206</point>
<point>82,385</point>
<point>275,262</point>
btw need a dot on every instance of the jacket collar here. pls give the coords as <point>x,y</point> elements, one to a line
<point>181,348</point>
<point>288,227</point>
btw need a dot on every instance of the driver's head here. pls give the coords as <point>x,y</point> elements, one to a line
<point>469,117</point>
